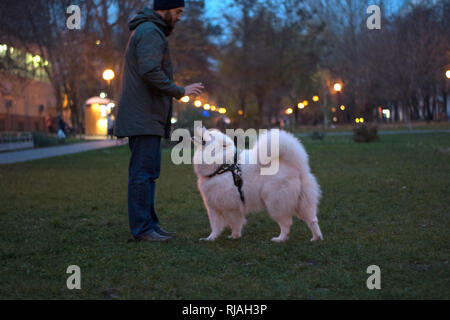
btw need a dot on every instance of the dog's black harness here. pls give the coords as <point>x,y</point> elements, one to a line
<point>236,171</point>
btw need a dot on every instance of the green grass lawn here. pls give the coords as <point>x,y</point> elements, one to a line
<point>397,126</point>
<point>384,204</point>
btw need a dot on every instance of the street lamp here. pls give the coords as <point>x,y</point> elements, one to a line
<point>337,87</point>
<point>109,75</point>
<point>447,74</point>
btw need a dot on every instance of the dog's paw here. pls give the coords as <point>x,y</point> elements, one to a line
<point>207,239</point>
<point>316,238</point>
<point>279,239</point>
<point>231,237</point>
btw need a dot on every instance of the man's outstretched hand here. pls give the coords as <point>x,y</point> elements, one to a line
<point>195,89</point>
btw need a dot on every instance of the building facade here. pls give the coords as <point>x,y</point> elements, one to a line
<point>27,101</point>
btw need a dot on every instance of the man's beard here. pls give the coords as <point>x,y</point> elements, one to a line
<point>169,22</point>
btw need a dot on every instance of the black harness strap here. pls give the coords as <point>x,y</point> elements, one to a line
<point>236,171</point>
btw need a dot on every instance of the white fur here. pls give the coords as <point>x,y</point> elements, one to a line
<point>293,191</point>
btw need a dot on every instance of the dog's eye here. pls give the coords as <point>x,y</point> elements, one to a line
<point>203,142</point>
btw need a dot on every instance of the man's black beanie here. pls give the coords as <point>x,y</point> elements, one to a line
<point>167,4</point>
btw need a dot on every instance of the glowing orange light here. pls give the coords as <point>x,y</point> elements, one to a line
<point>337,87</point>
<point>108,75</point>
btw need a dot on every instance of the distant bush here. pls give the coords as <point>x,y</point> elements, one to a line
<point>44,140</point>
<point>317,135</point>
<point>365,134</point>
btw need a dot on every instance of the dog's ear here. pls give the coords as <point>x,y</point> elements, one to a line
<point>198,131</point>
<point>195,141</point>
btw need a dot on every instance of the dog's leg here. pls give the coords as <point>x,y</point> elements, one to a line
<point>285,222</point>
<point>315,229</point>
<point>277,210</point>
<point>217,225</point>
<point>308,205</point>
<point>308,213</point>
<point>236,222</point>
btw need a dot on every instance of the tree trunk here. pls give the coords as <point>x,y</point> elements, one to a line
<point>260,103</point>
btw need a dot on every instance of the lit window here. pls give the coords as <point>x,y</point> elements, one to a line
<point>3,49</point>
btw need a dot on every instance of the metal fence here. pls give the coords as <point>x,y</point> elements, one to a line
<point>16,141</point>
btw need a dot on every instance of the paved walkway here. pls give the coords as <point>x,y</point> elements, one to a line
<point>42,153</point>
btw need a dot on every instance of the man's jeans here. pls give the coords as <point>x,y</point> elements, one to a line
<point>144,169</point>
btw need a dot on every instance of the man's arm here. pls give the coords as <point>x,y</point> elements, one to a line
<point>150,50</point>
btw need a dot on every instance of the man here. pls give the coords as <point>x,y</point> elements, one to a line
<point>145,110</point>
<point>110,124</point>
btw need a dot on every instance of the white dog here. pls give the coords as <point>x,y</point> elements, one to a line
<point>292,191</point>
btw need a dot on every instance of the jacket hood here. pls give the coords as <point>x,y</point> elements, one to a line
<point>146,15</point>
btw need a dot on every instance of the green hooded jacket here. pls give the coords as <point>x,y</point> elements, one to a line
<point>147,89</point>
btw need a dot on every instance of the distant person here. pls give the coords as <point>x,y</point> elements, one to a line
<point>61,123</point>
<point>145,110</point>
<point>111,121</point>
<point>49,123</point>
<point>69,129</point>
<point>61,134</point>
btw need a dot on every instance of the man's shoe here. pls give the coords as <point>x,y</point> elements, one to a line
<point>165,233</point>
<point>153,237</point>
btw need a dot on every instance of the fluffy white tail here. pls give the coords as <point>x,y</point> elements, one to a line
<point>289,149</point>
<point>280,145</point>
<point>284,147</point>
